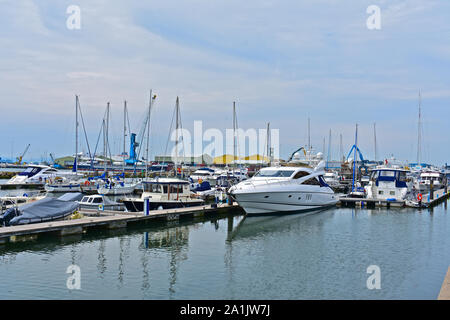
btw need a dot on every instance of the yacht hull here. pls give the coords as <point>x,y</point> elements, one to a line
<point>62,188</point>
<point>137,205</point>
<point>284,202</point>
<point>116,190</point>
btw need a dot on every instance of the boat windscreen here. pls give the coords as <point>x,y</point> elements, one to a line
<point>29,172</point>
<point>274,173</point>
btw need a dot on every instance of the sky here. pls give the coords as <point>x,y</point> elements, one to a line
<point>281,62</point>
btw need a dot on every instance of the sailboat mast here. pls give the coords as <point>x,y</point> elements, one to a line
<point>148,134</point>
<point>309,141</point>
<point>124,133</point>
<point>419,136</point>
<point>76,134</point>
<point>375,139</point>
<point>341,148</point>
<point>104,145</point>
<point>329,150</point>
<point>269,153</point>
<point>177,115</point>
<point>234,131</point>
<point>355,160</point>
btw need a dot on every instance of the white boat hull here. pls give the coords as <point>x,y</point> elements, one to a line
<point>117,190</point>
<point>63,188</point>
<point>284,201</point>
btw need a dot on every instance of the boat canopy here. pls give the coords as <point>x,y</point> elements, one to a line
<point>47,209</point>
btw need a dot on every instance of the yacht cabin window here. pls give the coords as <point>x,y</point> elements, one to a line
<point>312,182</point>
<point>97,200</point>
<point>274,173</point>
<point>300,174</point>
<point>149,187</point>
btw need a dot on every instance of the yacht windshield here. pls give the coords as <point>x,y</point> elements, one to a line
<point>29,172</point>
<point>274,173</point>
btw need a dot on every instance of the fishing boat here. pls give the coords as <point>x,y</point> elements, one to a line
<point>163,193</point>
<point>288,189</point>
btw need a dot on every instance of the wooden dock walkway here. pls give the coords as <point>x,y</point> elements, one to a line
<point>107,219</point>
<point>444,294</point>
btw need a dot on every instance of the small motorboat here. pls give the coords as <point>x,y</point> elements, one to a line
<point>100,202</point>
<point>44,210</point>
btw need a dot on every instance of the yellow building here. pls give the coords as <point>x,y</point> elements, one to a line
<point>230,159</point>
<point>225,159</point>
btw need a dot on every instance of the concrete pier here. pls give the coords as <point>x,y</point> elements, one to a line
<point>444,294</point>
<point>105,219</point>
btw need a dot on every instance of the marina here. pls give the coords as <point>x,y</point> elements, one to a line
<point>224,256</point>
<point>224,151</point>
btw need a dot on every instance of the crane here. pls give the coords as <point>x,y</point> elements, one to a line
<point>19,159</point>
<point>292,155</point>
<point>54,164</point>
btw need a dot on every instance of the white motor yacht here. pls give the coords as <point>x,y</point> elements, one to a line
<point>284,190</point>
<point>426,177</point>
<point>204,174</point>
<point>389,183</point>
<point>332,178</point>
<point>38,174</point>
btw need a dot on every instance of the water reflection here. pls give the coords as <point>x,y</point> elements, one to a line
<point>260,226</point>
<point>101,257</point>
<point>174,241</point>
<point>320,255</point>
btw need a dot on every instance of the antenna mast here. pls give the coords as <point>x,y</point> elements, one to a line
<point>419,136</point>
<point>375,138</point>
<point>76,134</point>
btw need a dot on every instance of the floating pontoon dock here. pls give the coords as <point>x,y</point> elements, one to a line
<point>106,219</point>
<point>437,197</point>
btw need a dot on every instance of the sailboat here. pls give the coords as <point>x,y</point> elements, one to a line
<point>357,190</point>
<point>117,185</point>
<point>163,193</point>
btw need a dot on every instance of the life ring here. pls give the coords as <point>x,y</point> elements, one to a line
<point>86,183</point>
<point>419,197</point>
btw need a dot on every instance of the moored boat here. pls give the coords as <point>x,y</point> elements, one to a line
<point>284,190</point>
<point>163,193</point>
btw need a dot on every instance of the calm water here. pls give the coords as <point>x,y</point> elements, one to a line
<point>319,256</point>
